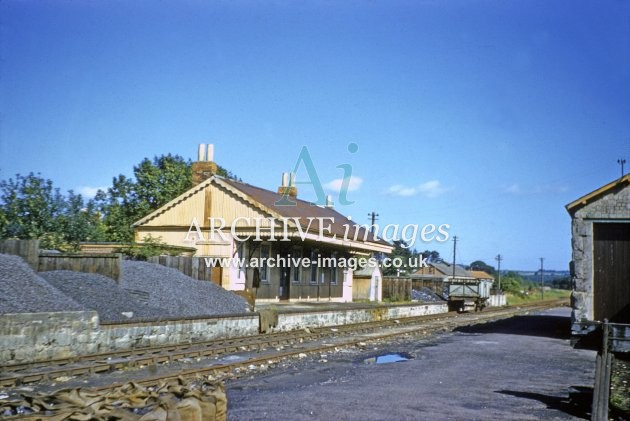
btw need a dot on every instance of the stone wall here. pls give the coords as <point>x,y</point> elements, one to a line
<point>29,337</point>
<point>291,321</point>
<point>26,337</point>
<point>613,206</point>
<point>133,335</point>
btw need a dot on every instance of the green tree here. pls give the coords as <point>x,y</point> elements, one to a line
<point>155,183</point>
<point>80,221</point>
<point>402,251</point>
<point>513,282</point>
<point>31,208</point>
<point>481,265</point>
<point>432,255</point>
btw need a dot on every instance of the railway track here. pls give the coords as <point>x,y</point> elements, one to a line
<point>261,347</point>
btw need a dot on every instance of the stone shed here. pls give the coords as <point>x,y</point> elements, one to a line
<point>600,269</point>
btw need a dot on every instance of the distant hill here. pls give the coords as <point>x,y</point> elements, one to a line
<point>549,275</point>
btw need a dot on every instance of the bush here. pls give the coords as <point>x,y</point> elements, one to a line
<point>149,247</point>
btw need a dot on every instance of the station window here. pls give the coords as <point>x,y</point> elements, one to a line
<point>297,269</point>
<point>333,270</point>
<point>314,265</point>
<point>240,251</point>
<point>265,251</point>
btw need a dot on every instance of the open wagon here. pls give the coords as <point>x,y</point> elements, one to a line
<point>468,294</point>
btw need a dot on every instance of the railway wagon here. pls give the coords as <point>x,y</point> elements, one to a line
<point>468,294</point>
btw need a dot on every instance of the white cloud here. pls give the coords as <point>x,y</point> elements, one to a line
<point>514,189</point>
<point>89,192</point>
<point>430,189</point>
<point>517,189</point>
<point>353,184</point>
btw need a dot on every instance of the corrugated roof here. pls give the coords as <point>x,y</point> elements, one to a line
<point>596,194</point>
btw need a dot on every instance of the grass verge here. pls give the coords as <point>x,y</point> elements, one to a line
<point>532,297</point>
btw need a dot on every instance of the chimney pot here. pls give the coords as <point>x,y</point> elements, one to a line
<point>288,185</point>
<point>204,168</point>
<point>201,154</point>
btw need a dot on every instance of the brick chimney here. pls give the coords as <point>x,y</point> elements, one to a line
<point>288,185</point>
<point>204,167</point>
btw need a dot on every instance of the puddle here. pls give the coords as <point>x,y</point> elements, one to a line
<point>388,358</point>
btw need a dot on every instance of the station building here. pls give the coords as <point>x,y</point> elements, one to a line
<point>274,231</point>
<point>600,267</point>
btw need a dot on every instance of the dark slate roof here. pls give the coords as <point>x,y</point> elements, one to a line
<point>303,210</point>
<point>444,269</point>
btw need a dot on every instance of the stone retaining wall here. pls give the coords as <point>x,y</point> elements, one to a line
<point>26,337</point>
<point>292,321</point>
<point>125,336</point>
<point>29,337</point>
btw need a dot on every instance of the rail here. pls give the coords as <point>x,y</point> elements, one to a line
<point>20,374</point>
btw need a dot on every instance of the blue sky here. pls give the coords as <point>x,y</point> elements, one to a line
<point>488,116</point>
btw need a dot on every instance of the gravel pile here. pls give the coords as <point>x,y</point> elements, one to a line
<point>172,291</point>
<point>25,292</point>
<point>146,291</point>
<point>100,293</point>
<point>425,295</point>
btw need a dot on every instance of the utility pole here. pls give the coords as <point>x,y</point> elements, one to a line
<point>454,253</point>
<point>542,278</point>
<point>374,216</point>
<point>499,258</point>
<point>621,162</point>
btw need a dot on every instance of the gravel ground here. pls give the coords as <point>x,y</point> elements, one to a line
<point>25,292</point>
<point>425,295</point>
<point>146,291</point>
<point>522,368</point>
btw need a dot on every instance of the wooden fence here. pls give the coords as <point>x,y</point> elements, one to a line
<point>26,249</point>
<point>103,264</point>
<point>397,289</point>
<point>435,285</point>
<point>195,267</point>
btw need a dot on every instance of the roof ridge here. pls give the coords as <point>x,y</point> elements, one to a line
<point>584,200</point>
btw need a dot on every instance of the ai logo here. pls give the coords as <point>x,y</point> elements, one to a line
<point>304,159</point>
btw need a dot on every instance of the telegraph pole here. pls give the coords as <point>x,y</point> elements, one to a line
<point>454,253</point>
<point>499,258</point>
<point>542,279</point>
<point>374,217</point>
<point>621,162</point>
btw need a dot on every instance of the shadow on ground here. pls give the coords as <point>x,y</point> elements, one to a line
<point>578,404</point>
<point>557,327</point>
